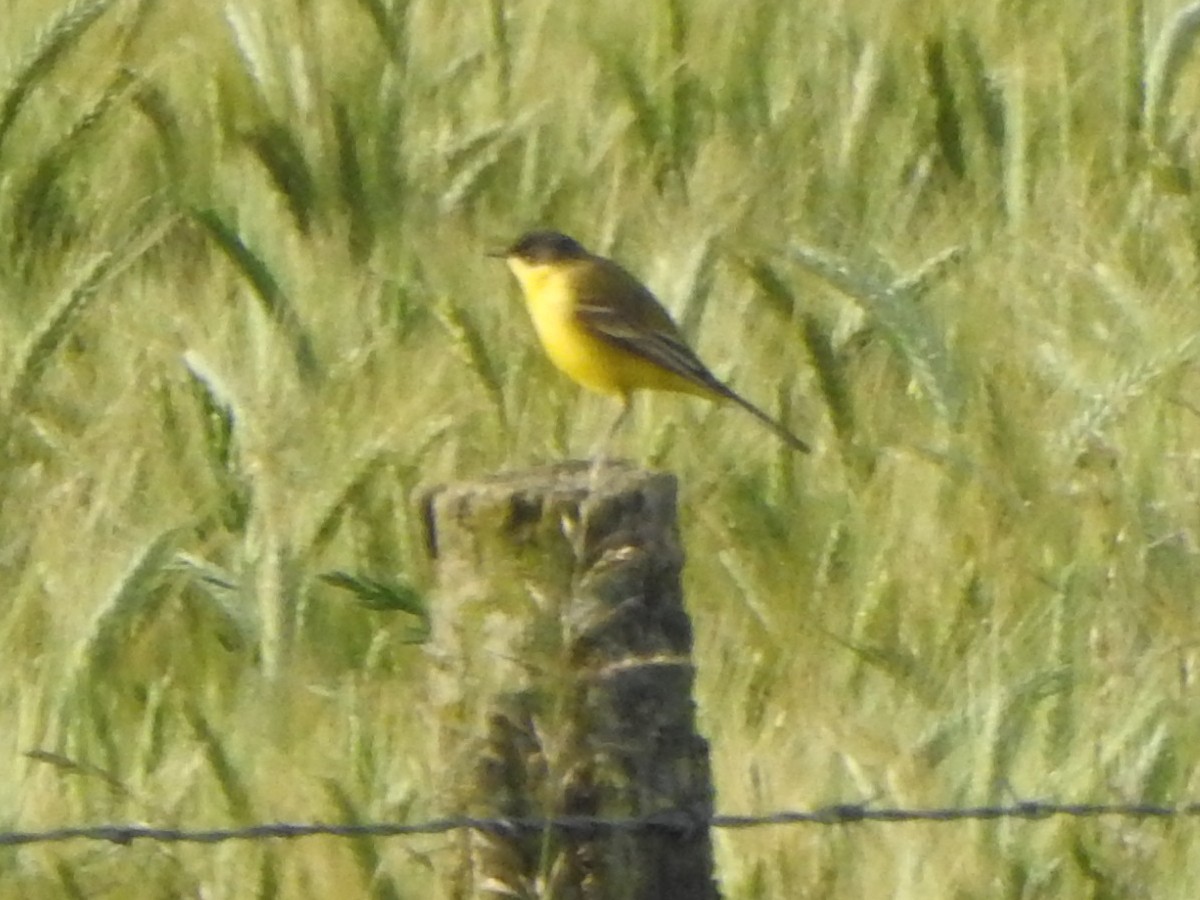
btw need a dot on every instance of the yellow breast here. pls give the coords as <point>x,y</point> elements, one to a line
<point>551,299</point>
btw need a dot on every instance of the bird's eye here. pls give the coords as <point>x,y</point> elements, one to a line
<point>566,246</point>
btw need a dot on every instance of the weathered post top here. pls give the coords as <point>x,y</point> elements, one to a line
<point>565,675</point>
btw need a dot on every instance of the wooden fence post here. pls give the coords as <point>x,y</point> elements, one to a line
<point>564,681</point>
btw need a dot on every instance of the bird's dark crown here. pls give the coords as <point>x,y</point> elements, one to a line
<point>546,246</point>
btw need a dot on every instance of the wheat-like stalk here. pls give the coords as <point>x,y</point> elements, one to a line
<point>53,330</point>
<point>473,348</point>
<point>229,775</point>
<point>127,604</point>
<point>267,288</point>
<point>1171,51</point>
<point>890,303</point>
<point>1107,405</point>
<point>67,29</point>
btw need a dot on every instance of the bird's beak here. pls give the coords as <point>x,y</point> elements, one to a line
<point>498,254</point>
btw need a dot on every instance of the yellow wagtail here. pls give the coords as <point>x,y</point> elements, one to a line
<point>606,331</point>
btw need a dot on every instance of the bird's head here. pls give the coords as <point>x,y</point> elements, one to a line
<point>538,248</point>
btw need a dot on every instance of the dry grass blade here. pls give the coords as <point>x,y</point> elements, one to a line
<point>469,181</point>
<point>473,348</point>
<point>367,465</point>
<point>686,95</point>
<point>892,306</point>
<point>129,603</point>
<point>856,131</point>
<point>696,283</point>
<point>217,409</point>
<point>70,766</point>
<point>772,286</point>
<point>354,194</point>
<point>54,328</point>
<point>247,29</point>
<point>830,376</point>
<point>1017,176</point>
<point>1171,51</point>
<point>947,122</point>
<point>1108,405</point>
<point>42,211</point>
<point>274,588</point>
<point>985,93</point>
<point>502,45</point>
<point>1133,77</point>
<point>852,280</point>
<point>390,595</point>
<point>1162,775</point>
<point>922,347</point>
<point>1018,717</point>
<point>266,287</point>
<point>153,103</point>
<point>459,153</point>
<point>62,34</point>
<point>370,862</point>
<point>470,165</point>
<point>918,282</point>
<point>206,573</point>
<point>648,123</point>
<point>390,24</point>
<point>224,769</point>
<point>279,151</point>
<point>222,596</point>
<point>219,419</point>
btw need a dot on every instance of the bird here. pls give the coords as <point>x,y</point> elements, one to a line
<point>606,331</point>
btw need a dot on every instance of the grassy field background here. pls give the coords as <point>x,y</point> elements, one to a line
<point>245,313</point>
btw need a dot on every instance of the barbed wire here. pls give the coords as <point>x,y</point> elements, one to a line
<point>670,820</point>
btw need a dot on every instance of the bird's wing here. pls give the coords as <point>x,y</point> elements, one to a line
<point>657,341</point>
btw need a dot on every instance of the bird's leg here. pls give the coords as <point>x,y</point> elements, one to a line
<point>600,452</point>
<point>626,406</point>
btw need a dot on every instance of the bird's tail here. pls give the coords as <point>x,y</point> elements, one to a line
<point>774,424</point>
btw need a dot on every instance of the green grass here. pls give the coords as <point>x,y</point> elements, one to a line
<point>245,316</point>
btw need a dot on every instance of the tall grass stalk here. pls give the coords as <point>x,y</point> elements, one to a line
<point>51,46</point>
<point>891,306</point>
<point>52,331</point>
<point>266,287</point>
<point>1167,59</point>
